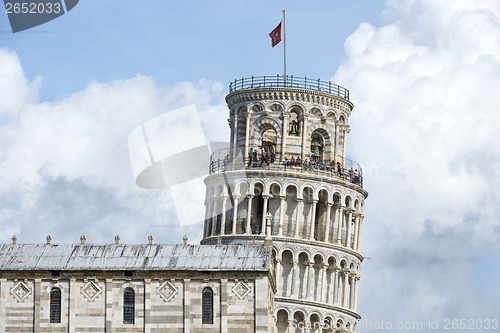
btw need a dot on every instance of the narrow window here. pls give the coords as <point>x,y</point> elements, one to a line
<point>207,306</point>
<point>128,306</point>
<point>55,305</point>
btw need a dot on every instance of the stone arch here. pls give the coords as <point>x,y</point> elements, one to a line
<point>276,106</point>
<point>317,267</point>
<point>321,218</point>
<point>264,123</point>
<point>315,321</point>
<point>296,107</point>
<point>299,316</point>
<point>316,110</point>
<point>303,266</point>
<point>342,119</point>
<point>257,107</point>
<point>321,142</point>
<point>331,114</point>
<point>274,187</point>
<point>328,325</point>
<point>282,317</point>
<point>286,262</point>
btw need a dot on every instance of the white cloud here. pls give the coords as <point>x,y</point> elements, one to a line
<point>80,142</point>
<point>426,127</point>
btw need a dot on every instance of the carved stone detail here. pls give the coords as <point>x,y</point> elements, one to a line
<point>241,289</point>
<point>167,291</point>
<point>20,291</point>
<point>91,291</point>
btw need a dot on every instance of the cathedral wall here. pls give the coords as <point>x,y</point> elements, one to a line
<point>89,303</point>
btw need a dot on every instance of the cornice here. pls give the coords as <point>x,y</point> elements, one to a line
<point>291,94</point>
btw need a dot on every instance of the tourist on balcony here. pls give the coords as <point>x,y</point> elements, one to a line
<point>351,174</point>
<point>263,157</point>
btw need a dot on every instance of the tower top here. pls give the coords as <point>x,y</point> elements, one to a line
<point>289,82</point>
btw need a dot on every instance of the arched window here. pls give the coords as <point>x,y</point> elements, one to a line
<point>128,306</point>
<point>207,304</point>
<point>55,305</point>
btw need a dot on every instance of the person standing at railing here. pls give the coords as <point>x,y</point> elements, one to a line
<point>263,157</point>
<point>250,157</point>
<point>339,169</point>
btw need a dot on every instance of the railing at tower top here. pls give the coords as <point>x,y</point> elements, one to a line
<point>351,171</point>
<point>288,81</point>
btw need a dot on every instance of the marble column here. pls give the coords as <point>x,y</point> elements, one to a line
<point>340,223</point>
<point>323,283</point>
<point>348,224</point>
<point>351,292</point>
<point>223,217</point>
<point>359,232</point>
<point>298,216</point>
<point>235,136</point>
<point>264,212</point>
<point>282,215</point>
<point>327,223</point>
<point>303,132</point>
<point>346,289</point>
<point>313,219</point>
<point>236,197</point>
<point>356,281</point>
<point>336,146</point>
<point>278,277</point>
<point>310,282</point>
<point>214,216</point>
<point>247,136</point>
<point>285,115</point>
<point>356,226</point>
<point>336,287</point>
<point>248,225</point>
<point>295,280</point>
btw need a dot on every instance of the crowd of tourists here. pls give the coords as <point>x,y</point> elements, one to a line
<point>256,158</point>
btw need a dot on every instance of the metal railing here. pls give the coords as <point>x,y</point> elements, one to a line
<point>220,162</point>
<point>289,81</point>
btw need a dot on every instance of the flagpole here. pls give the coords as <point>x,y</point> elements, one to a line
<point>284,47</point>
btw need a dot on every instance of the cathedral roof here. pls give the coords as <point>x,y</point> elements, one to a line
<point>134,257</point>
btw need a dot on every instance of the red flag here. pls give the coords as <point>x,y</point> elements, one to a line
<point>276,35</point>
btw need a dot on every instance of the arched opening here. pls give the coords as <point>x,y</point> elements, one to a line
<point>337,230</point>
<point>328,325</point>
<point>218,218</point>
<point>299,318</point>
<point>303,267</point>
<point>257,209</point>
<point>317,147</point>
<point>275,207</point>
<point>321,215</point>
<point>331,281</point>
<point>129,306</point>
<point>307,217</point>
<point>291,214</point>
<point>207,306</point>
<point>315,323</point>
<point>55,305</point>
<point>294,123</point>
<point>317,277</point>
<point>282,321</point>
<point>269,145</point>
<point>286,273</point>
<point>242,225</point>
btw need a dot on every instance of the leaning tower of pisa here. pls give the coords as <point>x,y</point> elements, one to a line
<point>304,197</point>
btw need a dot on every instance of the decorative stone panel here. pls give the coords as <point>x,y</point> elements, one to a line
<point>20,291</point>
<point>91,291</point>
<point>241,290</point>
<point>167,291</point>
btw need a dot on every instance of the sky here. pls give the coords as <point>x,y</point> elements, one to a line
<point>423,76</point>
